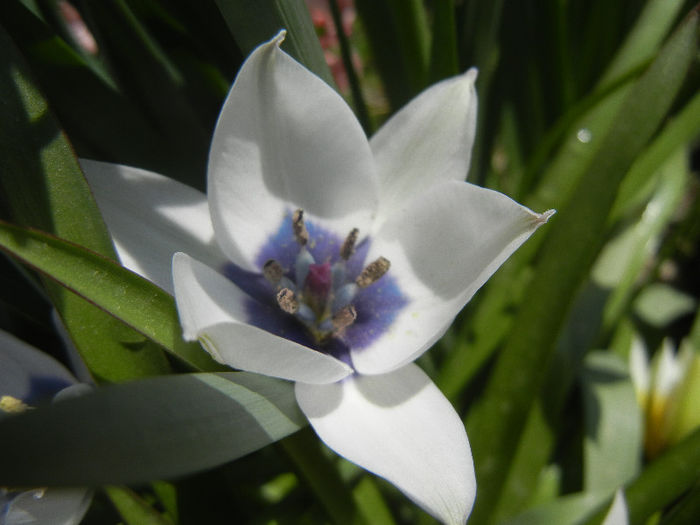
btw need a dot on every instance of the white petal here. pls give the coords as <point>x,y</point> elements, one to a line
<point>617,515</point>
<point>214,310</point>
<point>58,506</point>
<point>151,217</point>
<point>427,142</point>
<point>402,428</point>
<point>442,249</point>
<point>285,140</point>
<point>667,370</point>
<point>28,374</point>
<point>639,370</point>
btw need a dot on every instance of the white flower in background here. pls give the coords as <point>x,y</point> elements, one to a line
<point>28,378</point>
<point>666,389</point>
<point>617,514</point>
<point>331,261</point>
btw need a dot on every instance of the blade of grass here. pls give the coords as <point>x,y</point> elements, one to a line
<point>43,187</point>
<point>444,61</point>
<point>253,22</point>
<point>346,54</point>
<point>498,419</point>
<point>116,290</point>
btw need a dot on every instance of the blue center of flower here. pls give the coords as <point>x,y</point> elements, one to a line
<point>317,289</point>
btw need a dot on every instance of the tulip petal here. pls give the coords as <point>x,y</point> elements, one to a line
<point>60,506</point>
<point>401,427</point>
<point>217,313</point>
<point>442,249</point>
<point>427,142</point>
<point>151,217</point>
<point>285,140</point>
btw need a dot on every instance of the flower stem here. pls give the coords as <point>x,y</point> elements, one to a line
<point>322,476</point>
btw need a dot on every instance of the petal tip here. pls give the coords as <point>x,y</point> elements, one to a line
<point>471,74</point>
<point>279,37</point>
<point>542,218</point>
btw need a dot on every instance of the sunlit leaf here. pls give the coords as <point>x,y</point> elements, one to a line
<point>43,187</point>
<point>612,446</point>
<point>573,241</point>
<point>118,291</point>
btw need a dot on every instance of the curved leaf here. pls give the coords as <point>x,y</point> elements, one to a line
<point>118,291</point>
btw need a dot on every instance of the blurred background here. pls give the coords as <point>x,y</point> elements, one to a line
<point>575,368</point>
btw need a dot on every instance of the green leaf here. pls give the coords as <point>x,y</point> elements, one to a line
<point>323,477</point>
<point>664,480</point>
<point>622,261</point>
<point>591,118</point>
<point>99,119</point>
<point>669,145</point>
<point>155,84</point>
<point>43,187</point>
<point>149,429</point>
<point>133,509</point>
<point>547,418</point>
<point>649,30</point>
<point>253,22</point>
<point>353,80</point>
<point>118,291</point>
<point>659,304</point>
<point>573,242</point>
<point>567,510</point>
<point>686,510</point>
<point>444,62</point>
<point>612,445</point>
<point>398,36</point>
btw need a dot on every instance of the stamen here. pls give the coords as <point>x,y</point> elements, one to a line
<point>273,272</point>
<point>300,233</point>
<point>306,314</point>
<point>301,266</point>
<point>344,318</point>
<point>348,247</point>
<point>343,296</point>
<point>373,272</point>
<point>287,301</point>
<point>338,274</point>
<point>12,404</point>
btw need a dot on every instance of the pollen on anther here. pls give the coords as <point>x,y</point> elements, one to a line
<point>348,247</point>
<point>373,272</point>
<point>287,301</point>
<point>344,318</point>
<point>300,233</point>
<point>273,272</point>
<point>12,404</point>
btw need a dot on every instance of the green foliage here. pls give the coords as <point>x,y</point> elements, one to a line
<point>589,107</point>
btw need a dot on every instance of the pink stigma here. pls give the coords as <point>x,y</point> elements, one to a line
<point>319,280</point>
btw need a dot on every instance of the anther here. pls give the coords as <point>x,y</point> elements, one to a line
<point>273,272</point>
<point>344,318</point>
<point>12,404</point>
<point>348,247</point>
<point>300,233</point>
<point>287,301</point>
<point>373,272</point>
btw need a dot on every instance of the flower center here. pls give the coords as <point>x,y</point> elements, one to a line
<point>320,294</point>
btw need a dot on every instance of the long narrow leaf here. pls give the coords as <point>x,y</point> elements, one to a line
<point>253,22</point>
<point>573,242</point>
<point>118,291</point>
<point>144,430</point>
<point>43,187</point>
